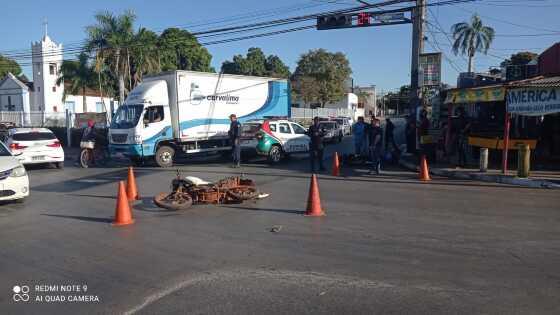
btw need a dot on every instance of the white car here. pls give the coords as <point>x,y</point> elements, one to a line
<point>35,145</point>
<point>14,183</point>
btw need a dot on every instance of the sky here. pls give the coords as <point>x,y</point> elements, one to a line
<point>378,55</point>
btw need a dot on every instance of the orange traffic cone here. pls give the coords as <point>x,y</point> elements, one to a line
<point>314,200</point>
<point>424,172</point>
<point>335,165</point>
<point>123,215</point>
<point>131,189</point>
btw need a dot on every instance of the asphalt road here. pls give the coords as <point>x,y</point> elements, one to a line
<point>389,244</point>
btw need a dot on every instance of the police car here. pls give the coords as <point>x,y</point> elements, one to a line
<point>280,137</point>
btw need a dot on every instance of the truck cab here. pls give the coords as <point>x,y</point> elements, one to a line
<point>141,123</point>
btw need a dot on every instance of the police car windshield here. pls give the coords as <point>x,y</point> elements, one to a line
<point>327,125</point>
<point>127,116</point>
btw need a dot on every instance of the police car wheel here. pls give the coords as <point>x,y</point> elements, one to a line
<point>275,154</point>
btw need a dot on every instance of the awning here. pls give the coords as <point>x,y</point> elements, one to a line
<point>476,95</point>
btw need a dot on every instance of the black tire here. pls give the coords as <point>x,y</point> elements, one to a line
<point>164,156</point>
<point>162,201</point>
<point>59,165</point>
<point>275,154</point>
<point>85,158</point>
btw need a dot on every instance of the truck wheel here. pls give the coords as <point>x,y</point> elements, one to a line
<point>275,154</point>
<point>164,156</point>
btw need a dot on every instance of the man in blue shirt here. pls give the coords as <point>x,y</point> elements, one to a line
<point>359,133</point>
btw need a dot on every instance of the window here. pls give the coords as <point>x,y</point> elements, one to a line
<point>54,88</point>
<point>33,136</point>
<point>153,114</point>
<point>285,128</point>
<point>52,68</point>
<point>70,106</point>
<point>38,89</point>
<point>273,127</point>
<point>298,130</point>
<point>99,107</point>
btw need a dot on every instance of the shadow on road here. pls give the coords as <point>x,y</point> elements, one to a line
<point>289,211</point>
<point>81,218</point>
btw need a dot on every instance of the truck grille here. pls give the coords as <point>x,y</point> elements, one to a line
<point>119,137</point>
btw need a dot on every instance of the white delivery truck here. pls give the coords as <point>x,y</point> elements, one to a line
<point>182,112</point>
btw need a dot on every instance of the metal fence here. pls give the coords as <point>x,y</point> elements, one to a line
<point>309,113</point>
<point>53,119</point>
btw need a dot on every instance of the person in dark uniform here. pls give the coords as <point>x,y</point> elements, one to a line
<point>316,147</point>
<point>234,138</point>
<point>375,138</point>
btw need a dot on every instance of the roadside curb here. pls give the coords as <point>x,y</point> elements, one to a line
<point>508,180</point>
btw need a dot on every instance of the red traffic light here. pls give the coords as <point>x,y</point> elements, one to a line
<point>363,18</point>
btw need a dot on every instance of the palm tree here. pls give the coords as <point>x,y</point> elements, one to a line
<point>470,38</point>
<point>80,75</point>
<point>111,39</point>
<point>145,55</point>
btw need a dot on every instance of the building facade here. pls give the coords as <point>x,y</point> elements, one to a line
<point>43,94</point>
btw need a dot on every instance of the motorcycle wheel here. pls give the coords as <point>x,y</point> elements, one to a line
<point>173,201</point>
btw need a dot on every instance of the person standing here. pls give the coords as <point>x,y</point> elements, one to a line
<point>423,132</point>
<point>410,135</point>
<point>389,135</point>
<point>375,137</point>
<point>234,138</point>
<point>359,133</point>
<point>463,127</point>
<point>316,146</point>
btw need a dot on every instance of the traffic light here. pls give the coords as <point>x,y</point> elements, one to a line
<point>327,22</point>
<point>363,19</point>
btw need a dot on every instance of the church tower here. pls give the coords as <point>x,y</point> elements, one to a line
<point>47,59</point>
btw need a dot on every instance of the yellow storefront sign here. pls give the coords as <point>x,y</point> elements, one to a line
<point>494,94</point>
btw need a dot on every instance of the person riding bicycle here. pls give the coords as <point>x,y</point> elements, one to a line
<point>89,132</point>
<point>90,135</point>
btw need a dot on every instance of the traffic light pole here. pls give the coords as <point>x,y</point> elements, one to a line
<point>418,16</point>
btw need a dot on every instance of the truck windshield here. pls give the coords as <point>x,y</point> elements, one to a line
<point>127,116</point>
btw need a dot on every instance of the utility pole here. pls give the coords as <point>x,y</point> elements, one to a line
<point>418,16</point>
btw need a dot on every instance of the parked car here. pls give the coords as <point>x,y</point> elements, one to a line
<point>14,183</point>
<point>35,146</point>
<point>345,124</point>
<point>278,138</point>
<point>333,131</point>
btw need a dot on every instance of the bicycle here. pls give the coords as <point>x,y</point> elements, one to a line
<point>91,154</point>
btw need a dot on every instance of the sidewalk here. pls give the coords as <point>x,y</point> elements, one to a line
<point>537,179</point>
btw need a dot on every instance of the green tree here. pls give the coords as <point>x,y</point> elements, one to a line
<point>145,55</point>
<point>471,38</point>
<point>307,89</point>
<point>8,65</point>
<point>180,50</point>
<point>80,75</point>
<point>330,71</point>
<point>519,59</point>
<point>255,63</point>
<point>111,39</point>
<point>276,68</point>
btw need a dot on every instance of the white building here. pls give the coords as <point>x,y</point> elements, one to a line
<point>43,94</point>
<point>369,100</point>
